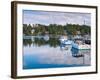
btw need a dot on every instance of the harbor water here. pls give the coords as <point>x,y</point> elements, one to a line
<point>50,53</point>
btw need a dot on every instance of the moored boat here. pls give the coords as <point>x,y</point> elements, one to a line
<point>65,40</point>
<point>79,44</point>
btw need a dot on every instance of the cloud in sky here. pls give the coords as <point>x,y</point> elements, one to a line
<point>50,17</point>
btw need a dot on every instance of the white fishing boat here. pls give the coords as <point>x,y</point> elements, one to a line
<point>79,44</point>
<point>65,40</point>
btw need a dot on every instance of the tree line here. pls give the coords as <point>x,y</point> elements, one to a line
<point>55,29</point>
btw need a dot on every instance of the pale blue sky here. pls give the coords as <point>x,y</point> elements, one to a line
<point>44,17</point>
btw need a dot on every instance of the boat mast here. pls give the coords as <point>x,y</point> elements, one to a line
<point>84,22</point>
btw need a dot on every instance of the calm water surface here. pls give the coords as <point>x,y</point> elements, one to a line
<point>49,53</point>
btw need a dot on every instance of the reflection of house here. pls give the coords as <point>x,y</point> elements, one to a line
<point>46,37</point>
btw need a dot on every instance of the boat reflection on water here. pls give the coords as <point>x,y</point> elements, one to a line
<point>65,47</point>
<point>80,52</point>
<point>85,54</point>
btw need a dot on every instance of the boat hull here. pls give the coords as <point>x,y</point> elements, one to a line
<point>81,47</point>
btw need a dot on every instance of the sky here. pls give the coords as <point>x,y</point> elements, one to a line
<point>51,17</point>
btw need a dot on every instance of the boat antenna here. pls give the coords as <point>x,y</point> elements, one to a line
<point>84,22</point>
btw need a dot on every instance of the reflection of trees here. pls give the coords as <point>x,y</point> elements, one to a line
<point>27,42</point>
<point>39,42</point>
<point>53,42</point>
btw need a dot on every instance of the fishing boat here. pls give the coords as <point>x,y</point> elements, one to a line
<point>64,40</point>
<point>80,44</point>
